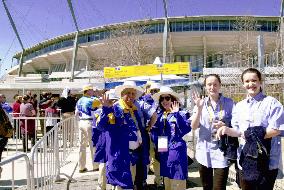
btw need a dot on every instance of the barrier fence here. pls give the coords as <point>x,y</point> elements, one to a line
<point>11,161</point>
<point>22,141</point>
<point>48,154</point>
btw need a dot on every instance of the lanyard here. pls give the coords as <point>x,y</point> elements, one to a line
<point>133,117</point>
<point>211,112</point>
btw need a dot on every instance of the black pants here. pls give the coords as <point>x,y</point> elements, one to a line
<point>3,143</point>
<point>25,146</point>
<point>140,169</point>
<point>267,183</point>
<point>217,181</point>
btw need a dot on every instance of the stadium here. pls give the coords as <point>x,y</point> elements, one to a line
<point>207,42</point>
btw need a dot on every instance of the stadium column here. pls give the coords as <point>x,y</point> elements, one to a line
<point>88,56</point>
<point>204,51</point>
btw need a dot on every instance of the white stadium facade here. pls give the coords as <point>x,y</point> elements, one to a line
<point>209,43</point>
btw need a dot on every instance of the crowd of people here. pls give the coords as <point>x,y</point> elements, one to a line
<point>134,129</point>
<point>131,130</point>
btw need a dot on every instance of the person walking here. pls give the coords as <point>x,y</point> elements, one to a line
<point>257,121</point>
<point>85,107</point>
<point>27,126</point>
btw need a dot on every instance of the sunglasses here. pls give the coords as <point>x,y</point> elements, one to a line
<point>154,91</point>
<point>162,98</point>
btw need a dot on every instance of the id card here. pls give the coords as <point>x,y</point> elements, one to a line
<point>162,144</point>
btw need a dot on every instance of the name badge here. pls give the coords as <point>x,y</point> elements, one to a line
<point>162,144</point>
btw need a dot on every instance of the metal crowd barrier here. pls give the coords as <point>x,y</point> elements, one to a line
<point>16,143</point>
<point>50,153</point>
<point>11,184</point>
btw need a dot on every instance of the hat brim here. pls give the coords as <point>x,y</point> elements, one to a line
<point>119,89</point>
<point>156,96</point>
<point>86,89</point>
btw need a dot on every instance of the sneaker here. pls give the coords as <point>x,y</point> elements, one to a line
<point>83,170</point>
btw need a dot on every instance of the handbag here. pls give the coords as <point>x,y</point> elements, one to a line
<point>6,128</point>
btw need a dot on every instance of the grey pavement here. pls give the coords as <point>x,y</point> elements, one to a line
<point>88,180</point>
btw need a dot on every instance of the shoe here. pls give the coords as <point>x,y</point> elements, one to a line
<point>95,170</point>
<point>83,170</point>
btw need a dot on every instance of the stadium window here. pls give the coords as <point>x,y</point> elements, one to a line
<point>202,25</point>
<point>91,37</point>
<point>161,27</point>
<point>262,25</point>
<point>195,26</point>
<point>102,35</point>
<point>215,25</point>
<point>208,26</point>
<point>107,34</point>
<point>82,39</point>
<point>178,27</point>
<point>58,45</point>
<point>233,25</point>
<point>177,58</point>
<point>96,37</point>
<point>186,58</point>
<point>274,26</point>
<point>224,25</point>
<point>187,26</point>
<point>172,27</point>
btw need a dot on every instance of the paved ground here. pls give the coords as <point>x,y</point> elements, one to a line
<point>88,180</point>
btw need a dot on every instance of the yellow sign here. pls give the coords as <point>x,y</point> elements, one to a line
<point>146,70</point>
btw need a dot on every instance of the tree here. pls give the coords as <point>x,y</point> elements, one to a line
<point>126,45</point>
<point>245,43</point>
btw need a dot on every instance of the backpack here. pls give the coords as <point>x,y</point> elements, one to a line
<point>6,128</point>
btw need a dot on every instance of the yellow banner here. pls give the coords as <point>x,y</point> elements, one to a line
<point>146,70</point>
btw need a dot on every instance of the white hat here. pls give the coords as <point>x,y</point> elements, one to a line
<point>166,90</point>
<point>111,94</point>
<point>128,84</point>
<point>155,85</point>
<point>65,92</point>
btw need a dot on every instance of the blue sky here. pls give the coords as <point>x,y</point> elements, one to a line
<point>38,20</point>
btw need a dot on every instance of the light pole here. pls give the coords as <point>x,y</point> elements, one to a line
<point>165,34</point>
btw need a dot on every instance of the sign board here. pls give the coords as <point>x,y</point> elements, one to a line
<point>148,70</point>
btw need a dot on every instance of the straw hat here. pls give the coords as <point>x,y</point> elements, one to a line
<point>165,90</point>
<point>155,85</point>
<point>111,95</point>
<point>87,87</point>
<point>128,84</point>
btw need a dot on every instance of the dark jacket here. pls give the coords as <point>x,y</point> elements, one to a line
<point>254,157</point>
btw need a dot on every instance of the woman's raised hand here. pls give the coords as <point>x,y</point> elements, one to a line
<point>175,107</point>
<point>197,100</point>
<point>105,101</point>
